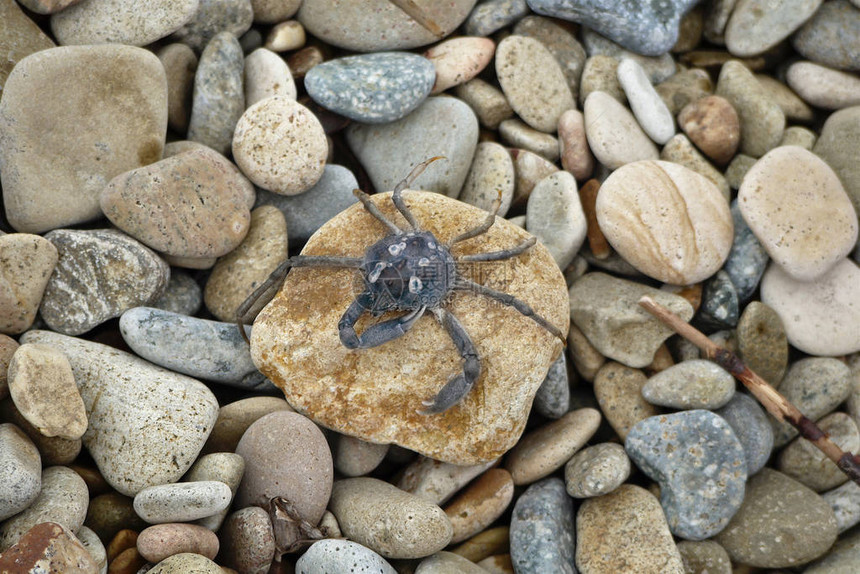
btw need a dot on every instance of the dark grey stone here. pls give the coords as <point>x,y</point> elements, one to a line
<point>700,465</point>
<point>832,36</point>
<point>752,428</point>
<point>720,309</point>
<point>183,295</point>
<point>552,399</point>
<point>747,259</point>
<point>493,15</point>
<point>213,17</point>
<point>372,88</point>
<point>543,538</point>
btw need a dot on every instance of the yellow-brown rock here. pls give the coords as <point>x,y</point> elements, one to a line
<point>375,393</point>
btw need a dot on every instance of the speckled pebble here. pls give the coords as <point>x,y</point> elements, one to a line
<point>52,450</point>
<point>486,100</point>
<point>117,22</point>
<point>561,43</point>
<point>614,136</point>
<point>704,557</point>
<point>372,88</point>
<point>48,547</point>
<point>248,540</point>
<point>697,384</point>
<point>845,502</point>
<point>600,74</point>
<point>757,25</point>
<point>233,17</point>
<point>493,15</point>
<point>542,530</point>
<point>552,398</point>
<point>94,547</point>
<point>762,343</point>
<point>837,141</point>
<point>618,390</point>
<point>713,125</point>
<point>26,264</point>
<point>182,295</point>
<point>356,457</point>
<point>186,563</point>
<point>650,111</point>
<point>267,75</point>
<point>842,558</point>
<point>226,467</point>
<point>163,540</point>
<point>596,470</point>
<point>458,60</point>
<point>747,258</point>
<point>700,465</point>
<point>832,36</point>
<point>554,215</point>
<point>823,87</point>
<point>333,555</point>
<point>181,501</point>
<point>20,471</point>
<point>491,177</point>
<point>518,134</point>
<point>802,461</point>
<point>448,563</point>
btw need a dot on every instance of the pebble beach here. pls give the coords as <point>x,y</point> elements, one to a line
<point>159,160</point>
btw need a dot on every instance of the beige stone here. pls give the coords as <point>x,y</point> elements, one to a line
<point>613,132</point>
<point>8,346</point>
<point>619,393</point>
<point>235,418</point>
<point>823,87</point>
<point>437,481</point>
<point>487,101</point>
<point>458,60</point>
<point>480,504</point>
<point>180,63</point>
<point>713,125</point>
<point>286,36</point>
<point>491,177</point>
<point>375,393</point>
<point>19,37</point>
<point>600,74</point>
<point>573,145</point>
<point>26,264</point>
<point>487,543</point>
<point>684,88</point>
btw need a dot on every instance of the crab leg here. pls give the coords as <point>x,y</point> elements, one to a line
<point>459,386</point>
<point>482,228</point>
<point>375,334</point>
<point>397,196</point>
<point>374,211</point>
<point>503,254</point>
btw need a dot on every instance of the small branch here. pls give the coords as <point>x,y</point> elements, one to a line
<point>417,13</point>
<point>769,397</point>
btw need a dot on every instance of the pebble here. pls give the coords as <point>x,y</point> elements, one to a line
<point>436,481</point>
<point>200,348</point>
<point>384,27</point>
<point>766,533</point>
<point>680,150</point>
<point>542,529</point>
<point>441,126</point>
<point>48,547</point>
<point>225,467</point>
<point>554,215</point>
<point>816,386</point>
<point>563,45</point>
<point>26,264</point>
<point>126,127</point>
<point>53,450</point>
<point>493,15</point>
<point>458,60</point>
<point>735,172</point>
<point>820,317</point>
<point>823,87</point>
<point>355,457</point>
<point>111,516</point>
<point>333,555</point>
<point>832,36</point>
<point>286,36</point>
<point>63,499</point>
<point>517,134</point>
<point>8,346</point>
<point>115,22</point>
<point>700,465</point>
<point>43,388</point>
<point>573,145</point>
<point>273,11</point>
<point>618,390</point>
<point>448,563</point>
<point>286,455</point>
<point>488,543</point>
<point>19,35</point>
<point>180,64</point>
<point>181,501</point>
<point>123,392</point>
<point>607,311</point>
<point>845,502</point>
<point>218,99</point>
<point>632,208</point>
<point>552,399</point>
<point>163,540</point>
<point>486,101</point>
<point>720,305</point>
<point>838,137</point>
<point>182,295</point>
<point>713,125</point>
<point>600,74</point>
<point>697,384</point>
<point>165,206</point>
<point>185,563</point>
<point>387,520</point>
<point>533,82</point>
<point>756,25</point>
<point>232,17</point>
<point>481,504</point>
<point>248,541</point>
<point>372,88</point>
<point>704,556</point>
<point>596,470</point>
<point>20,471</point>
<point>777,203</point>
<point>658,68</point>
<point>100,273</point>
<point>762,343</point>
<point>625,530</point>
<point>235,418</point>
<point>94,547</point>
<point>747,258</point>
<point>529,168</point>
<point>842,558</point>
<point>267,75</point>
<point>762,120</point>
<point>799,136</point>
<point>614,136</point>
<point>684,88</point>
<point>491,176</point>
<point>650,111</point>
<point>802,461</point>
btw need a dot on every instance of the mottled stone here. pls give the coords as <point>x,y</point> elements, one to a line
<point>713,125</point>
<point>600,74</point>
<point>561,43</point>
<point>762,342</point>
<point>225,467</point>
<point>248,540</point>
<point>378,402</point>
<point>756,25</point>
<point>554,215</point>
<point>607,311</point>
<point>436,481</point>
<point>747,258</point>
<point>8,346</point>
<point>163,540</point>
<point>26,264</point>
<point>235,418</point>
<point>185,563</point>
<point>118,22</point>
<point>491,177</point>
<point>552,398</point>
<point>705,556</point>
<point>766,532</point>
<point>542,529</point>
<point>111,516</point>
<point>618,390</point>
<point>342,556</point>
<point>697,384</point>
<point>214,17</point>
<point>625,530</point>
<point>720,305</point>
<point>845,502</point>
<point>19,36</point>
<point>481,504</point>
<point>146,424</point>
<point>650,111</point>
<point>836,144</point>
<point>804,462</point>
<point>387,520</point>
<point>100,273</point>
<point>680,150</point>
<point>458,60</point>
<point>182,295</point>
<point>832,36</point>
<point>614,136</point>
<point>52,178</point>
<point>596,470</point>
<point>20,471</point>
<point>181,501</point>
<point>48,547</point>
<point>700,465</point>
<point>842,558</point>
<point>487,101</point>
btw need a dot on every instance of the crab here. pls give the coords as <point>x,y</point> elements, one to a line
<point>412,272</point>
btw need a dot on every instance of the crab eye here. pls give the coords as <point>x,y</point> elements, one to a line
<point>397,248</point>
<point>423,262</point>
<point>415,284</point>
<point>374,275</point>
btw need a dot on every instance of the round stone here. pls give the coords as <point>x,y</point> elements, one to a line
<point>752,428</point>
<point>182,501</point>
<point>274,11</point>
<point>757,25</point>
<point>248,540</point>
<point>117,22</point>
<point>280,145</point>
<point>804,462</point>
<point>332,555</point>
<point>267,75</point>
<point>596,470</point>
<point>26,264</point>
<point>372,88</point>
<point>518,134</point>
<point>533,82</point>
<point>163,540</point>
<point>458,60</point>
<point>554,215</point>
<point>685,247</point>
<point>573,145</point>
<point>20,471</point>
<point>542,529</point>
<point>650,111</point>
<point>697,384</point>
<point>613,134</point>
<point>488,102</point>
<point>713,125</point>
<point>684,88</point>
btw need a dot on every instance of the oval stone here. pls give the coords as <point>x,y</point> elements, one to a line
<point>20,471</point>
<point>162,540</point>
<point>332,555</point>
<point>554,215</point>
<point>26,264</point>
<point>614,135</point>
<point>713,125</point>
<point>832,36</point>
<point>437,481</point>
<point>650,111</point>
<point>491,176</point>
<point>248,540</point>
<point>480,504</point>
<point>823,87</point>
<point>752,428</point>
<point>458,60</point>
<point>542,529</point>
<point>697,384</point>
<point>117,22</point>
<point>182,501</point>
<point>757,25</point>
<point>596,470</point>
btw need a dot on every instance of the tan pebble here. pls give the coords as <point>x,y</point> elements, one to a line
<point>613,133</point>
<point>600,74</point>
<point>355,457</point>
<point>543,451</point>
<point>498,564</point>
<point>235,418</point>
<point>684,88</point>
<point>458,60</point>
<point>180,63</point>
<point>437,481</point>
<point>586,358</point>
<point>762,343</point>
<point>662,360</point>
<point>823,87</point>
<point>248,540</point>
<point>448,563</point>
<point>274,11</point>
<point>533,82</point>
<point>480,504</point>
<point>737,170</point>
<point>596,240</point>
<point>799,136</point>
<point>491,177</point>
<point>8,346</point>
<point>562,43</point>
<point>48,547</point>
<point>53,450</point>
<point>554,215</point>
<point>713,125</point>
<point>286,36</point>
<point>387,520</point>
<point>96,483</point>
<point>796,206</point>
<point>280,145</point>
<point>237,274</point>
<point>804,462</point>
<point>705,556</point>
<point>487,543</point>
<point>94,546</point>
<point>191,262</point>
<point>129,561</point>
<point>26,264</point>
<point>267,75</point>
<point>518,134</point>
<point>573,145</point>
<point>488,102</point>
<point>328,525</point>
<point>225,467</point>
<point>619,393</point>
<point>162,540</point>
<point>690,31</point>
<point>43,388</point>
<point>794,108</point>
<point>625,530</point>
<point>185,563</point>
<point>530,168</point>
<point>681,150</point>
<point>685,247</point>
<point>122,541</point>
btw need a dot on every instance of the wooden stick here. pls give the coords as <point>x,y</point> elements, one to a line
<point>769,397</point>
